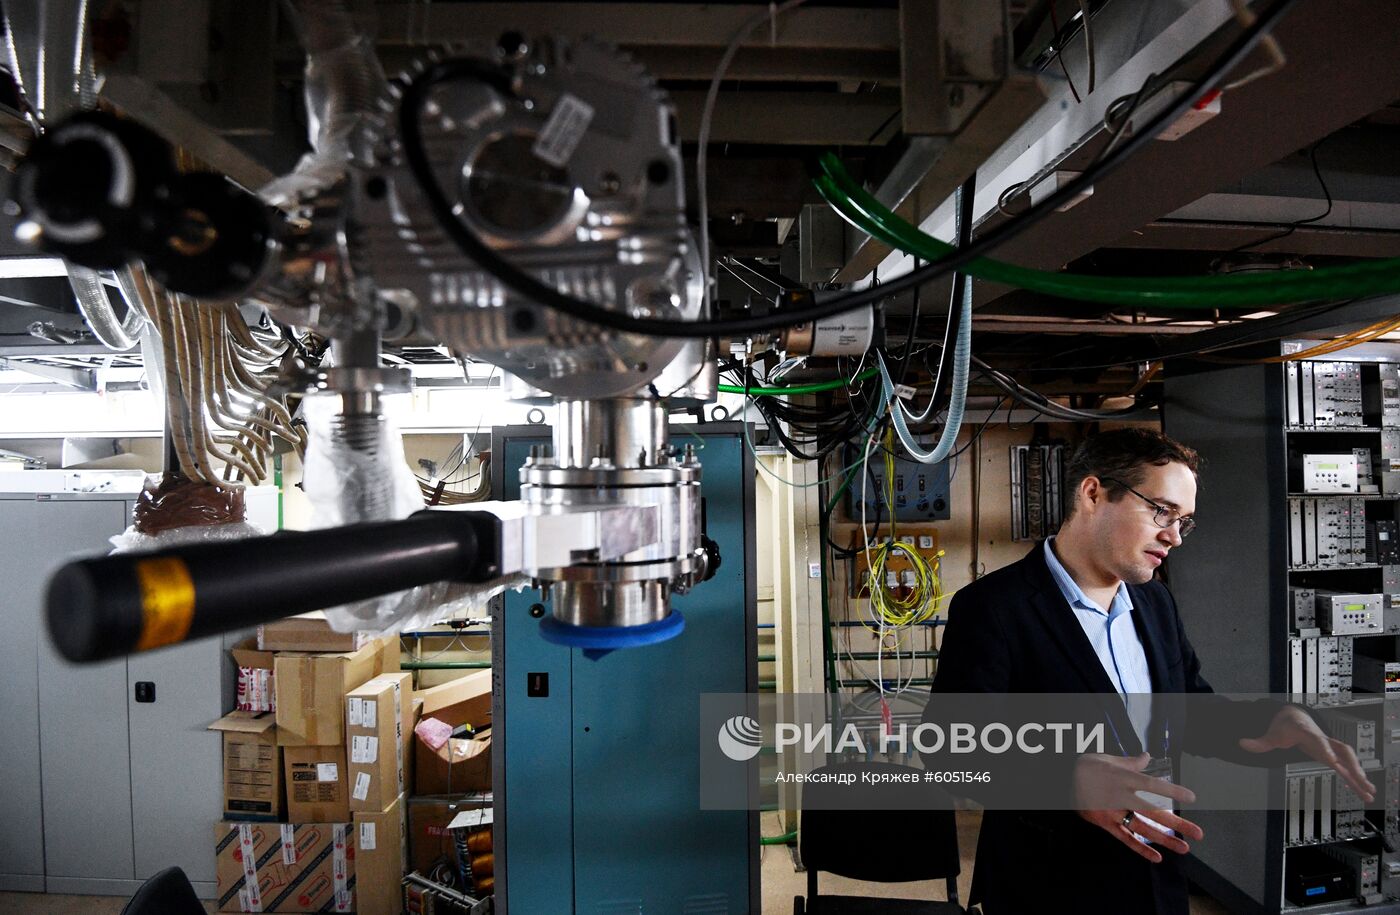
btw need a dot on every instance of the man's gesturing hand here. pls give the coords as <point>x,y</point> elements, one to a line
<point>1105,792</point>
<point>1294,727</point>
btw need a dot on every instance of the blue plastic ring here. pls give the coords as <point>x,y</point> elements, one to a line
<point>607,638</point>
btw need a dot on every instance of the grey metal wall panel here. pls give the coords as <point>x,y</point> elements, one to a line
<point>21,841</point>
<point>176,785</point>
<point>83,738</point>
<point>83,886</point>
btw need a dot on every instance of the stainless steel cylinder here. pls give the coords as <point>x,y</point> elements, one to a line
<point>593,603</point>
<point>615,452</point>
<point>616,433</point>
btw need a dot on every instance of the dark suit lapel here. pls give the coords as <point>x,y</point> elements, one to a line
<point>1064,626</point>
<point>1150,619</point>
<point>1067,632</point>
<point>1151,631</point>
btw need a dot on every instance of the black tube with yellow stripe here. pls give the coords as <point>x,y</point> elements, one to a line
<point>115,605</point>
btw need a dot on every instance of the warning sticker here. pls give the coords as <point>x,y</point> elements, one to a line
<point>289,844</point>
<point>562,132</point>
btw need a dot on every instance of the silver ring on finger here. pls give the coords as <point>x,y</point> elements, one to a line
<point>1127,820</point>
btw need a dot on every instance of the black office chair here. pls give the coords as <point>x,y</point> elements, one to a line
<point>882,846</point>
<point>167,893</point>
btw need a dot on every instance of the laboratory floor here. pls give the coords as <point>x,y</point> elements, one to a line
<point>781,882</point>
<point>39,904</point>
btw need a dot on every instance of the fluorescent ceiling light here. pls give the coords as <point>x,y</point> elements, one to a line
<point>14,268</point>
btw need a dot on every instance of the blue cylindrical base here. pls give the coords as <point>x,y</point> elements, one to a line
<point>597,641</point>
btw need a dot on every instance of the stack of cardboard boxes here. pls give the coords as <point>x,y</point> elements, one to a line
<point>316,763</point>
<point>320,763</point>
<point>451,774</point>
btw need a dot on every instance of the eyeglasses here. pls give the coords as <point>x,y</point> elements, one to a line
<point>1162,516</point>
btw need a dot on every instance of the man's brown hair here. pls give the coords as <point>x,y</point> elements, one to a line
<point>1122,455</point>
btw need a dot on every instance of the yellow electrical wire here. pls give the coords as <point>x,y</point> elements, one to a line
<point>922,599</point>
<point>1345,341</point>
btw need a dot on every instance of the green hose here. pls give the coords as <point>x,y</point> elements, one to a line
<point>783,839</point>
<point>815,387</point>
<point>1246,290</point>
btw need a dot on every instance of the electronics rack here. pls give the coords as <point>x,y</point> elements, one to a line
<point>1037,490</point>
<point>1257,589</point>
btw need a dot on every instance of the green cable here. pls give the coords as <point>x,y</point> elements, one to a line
<point>1249,290</point>
<point>815,387</point>
<point>845,484</point>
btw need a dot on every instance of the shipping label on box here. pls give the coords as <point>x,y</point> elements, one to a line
<point>284,867</point>
<point>317,785</point>
<point>311,691</point>
<point>377,715</point>
<point>381,848</point>
<point>255,678</point>
<point>252,766</point>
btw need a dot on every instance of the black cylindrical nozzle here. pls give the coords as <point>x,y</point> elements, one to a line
<point>101,191</point>
<point>115,605</point>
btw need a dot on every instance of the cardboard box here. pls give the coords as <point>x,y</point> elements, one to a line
<point>377,719</point>
<point>410,745</point>
<point>311,691</point>
<point>318,787</point>
<point>284,867</point>
<point>308,632</point>
<point>428,838</point>
<point>381,848</point>
<point>255,687</point>
<point>460,766</point>
<point>466,700</point>
<point>252,766</point>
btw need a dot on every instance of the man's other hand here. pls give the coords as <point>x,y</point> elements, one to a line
<point>1294,727</point>
<point>1106,793</point>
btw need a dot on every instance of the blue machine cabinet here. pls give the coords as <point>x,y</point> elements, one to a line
<point>597,785</point>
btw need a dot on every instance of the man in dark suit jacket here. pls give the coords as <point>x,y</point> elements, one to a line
<point>1084,613</point>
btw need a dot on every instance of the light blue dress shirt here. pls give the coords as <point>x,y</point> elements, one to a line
<point>1112,635</point>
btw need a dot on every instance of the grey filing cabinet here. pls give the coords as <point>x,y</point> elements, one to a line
<point>99,791</point>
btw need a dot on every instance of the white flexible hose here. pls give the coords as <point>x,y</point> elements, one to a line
<point>97,310</point>
<point>962,362</point>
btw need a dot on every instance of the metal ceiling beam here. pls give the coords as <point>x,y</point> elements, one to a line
<point>159,112</point>
<point>1318,322</point>
<point>39,350</point>
<point>765,63</point>
<point>1318,92</point>
<point>933,167</point>
<point>1195,235</point>
<point>961,100</point>
<point>758,64</point>
<point>630,24</point>
<point>81,379</point>
<point>788,118</point>
<point>1051,325</point>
